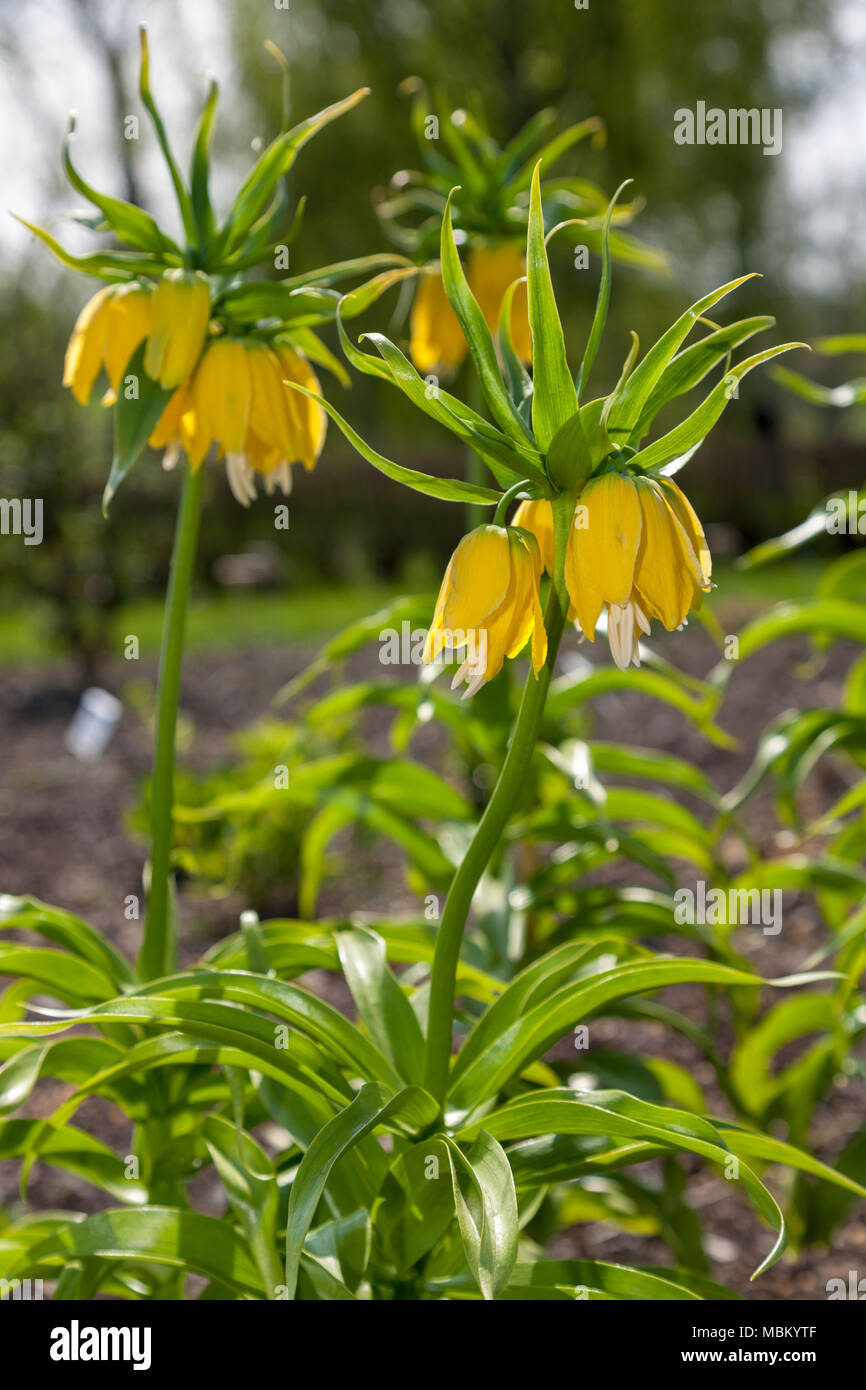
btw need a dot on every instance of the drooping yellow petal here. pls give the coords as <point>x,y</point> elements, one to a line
<point>606,536</point>
<point>527,570</point>
<point>273,418</point>
<point>127,325</point>
<point>586,604</point>
<point>86,349</point>
<point>260,456</point>
<point>222,393</point>
<point>505,631</point>
<point>490,270</point>
<point>539,633</point>
<point>179,320</point>
<point>688,519</point>
<point>537,517</point>
<point>167,429</point>
<point>662,583</point>
<point>480,576</point>
<point>437,625</point>
<point>436,338</point>
<point>311,418</point>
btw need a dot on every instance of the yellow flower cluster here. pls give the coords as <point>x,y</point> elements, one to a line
<point>636,549</point>
<point>226,391</point>
<point>237,399</point>
<point>437,343</point>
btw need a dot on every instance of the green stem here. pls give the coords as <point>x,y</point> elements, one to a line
<point>521,490</point>
<point>494,820</point>
<point>159,947</point>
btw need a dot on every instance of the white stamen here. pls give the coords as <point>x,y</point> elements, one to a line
<point>282,475</point>
<point>621,633</point>
<point>240,477</point>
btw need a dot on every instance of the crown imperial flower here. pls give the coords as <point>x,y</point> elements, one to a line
<point>238,400</point>
<point>489,603</point>
<point>636,549</point>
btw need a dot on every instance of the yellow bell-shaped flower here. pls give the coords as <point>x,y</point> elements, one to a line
<point>436,338</point>
<point>489,604</point>
<point>85,353</point>
<point>238,400</point>
<point>636,548</point>
<point>309,419</point>
<point>537,517</point>
<point>180,314</point>
<point>127,325</point>
<point>490,270</point>
<point>107,331</point>
<point>437,343</point>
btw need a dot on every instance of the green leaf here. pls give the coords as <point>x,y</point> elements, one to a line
<point>814,525</point>
<point>134,422</point>
<point>767,1149</point>
<point>69,1059</point>
<point>550,153</point>
<point>554,398</point>
<point>65,929</point>
<point>256,191</point>
<point>183,1240</point>
<point>680,442</point>
<point>586,1278</point>
<point>569,692</point>
<point>198,180</point>
<point>65,976</point>
<point>690,367</point>
<point>619,1115</point>
<point>531,986</point>
<point>248,1177</point>
<point>850,393</point>
<point>478,337</point>
<point>74,1151</point>
<point>180,189</point>
<point>603,301</point>
<point>130,224</point>
<point>106,265</point>
<point>409,1110</point>
<point>486,1205</point>
<point>447,489</point>
<point>381,1003</point>
<point>529,1036</point>
<point>415,1206</point>
<point>833,617</point>
<point>521,459</point>
<point>753,1056</point>
<point>630,407</point>
<point>664,768</point>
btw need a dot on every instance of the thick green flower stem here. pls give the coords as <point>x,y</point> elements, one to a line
<point>159,947</point>
<point>494,820</point>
